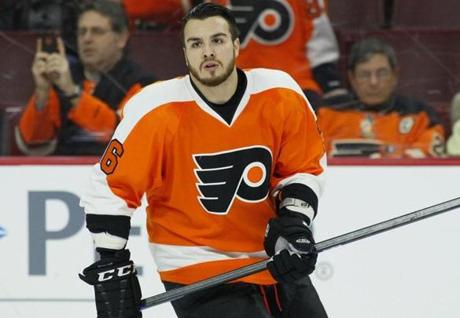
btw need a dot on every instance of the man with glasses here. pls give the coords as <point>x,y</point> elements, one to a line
<point>75,108</point>
<point>377,122</point>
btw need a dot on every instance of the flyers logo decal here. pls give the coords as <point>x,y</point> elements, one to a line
<point>242,173</point>
<point>266,21</point>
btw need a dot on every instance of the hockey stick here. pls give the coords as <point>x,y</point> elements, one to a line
<point>321,246</point>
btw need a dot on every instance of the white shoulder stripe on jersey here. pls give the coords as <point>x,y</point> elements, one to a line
<point>149,98</point>
<point>263,79</point>
<point>169,257</point>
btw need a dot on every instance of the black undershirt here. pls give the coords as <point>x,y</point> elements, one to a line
<point>227,110</point>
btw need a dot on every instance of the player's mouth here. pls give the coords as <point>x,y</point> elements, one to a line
<point>210,66</point>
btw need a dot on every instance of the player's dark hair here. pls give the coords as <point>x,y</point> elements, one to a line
<point>362,51</point>
<point>111,9</point>
<point>206,10</point>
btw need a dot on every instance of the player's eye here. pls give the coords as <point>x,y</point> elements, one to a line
<point>195,45</point>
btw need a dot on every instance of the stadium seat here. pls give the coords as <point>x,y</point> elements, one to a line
<point>9,118</point>
<point>356,14</point>
<point>429,14</point>
<point>17,51</point>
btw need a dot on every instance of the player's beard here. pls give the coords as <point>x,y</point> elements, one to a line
<point>216,80</point>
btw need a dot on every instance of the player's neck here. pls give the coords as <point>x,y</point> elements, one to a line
<point>221,93</point>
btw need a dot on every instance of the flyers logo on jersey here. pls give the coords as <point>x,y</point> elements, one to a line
<point>242,173</point>
<point>266,21</point>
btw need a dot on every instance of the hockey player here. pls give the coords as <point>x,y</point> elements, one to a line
<point>232,164</point>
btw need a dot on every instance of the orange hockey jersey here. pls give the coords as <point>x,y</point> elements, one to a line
<point>294,36</point>
<point>208,182</point>
<point>407,129</point>
<point>290,35</point>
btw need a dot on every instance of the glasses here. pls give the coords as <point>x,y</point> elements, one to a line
<point>380,74</point>
<point>96,31</point>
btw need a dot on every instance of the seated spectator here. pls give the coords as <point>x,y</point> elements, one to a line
<point>295,36</point>
<point>75,108</point>
<point>453,143</point>
<point>378,122</point>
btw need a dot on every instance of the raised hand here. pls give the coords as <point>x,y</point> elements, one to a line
<point>58,69</point>
<point>39,72</point>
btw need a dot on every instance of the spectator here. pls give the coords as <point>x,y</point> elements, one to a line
<point>75,108</point>
<point>453,143</point>
<point>293,35</point>
<point>225,157</point>
<point>379,122</point>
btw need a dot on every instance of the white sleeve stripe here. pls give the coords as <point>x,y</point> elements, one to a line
<point>315,183</point>
<point>99,198</point>
<point>141,104</point>
<point>106,240</point>
<point>322,47</point>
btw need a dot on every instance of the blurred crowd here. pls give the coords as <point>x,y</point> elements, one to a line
<point>84,69</point>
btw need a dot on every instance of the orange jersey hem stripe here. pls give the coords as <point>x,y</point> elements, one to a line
<point>197,272</point>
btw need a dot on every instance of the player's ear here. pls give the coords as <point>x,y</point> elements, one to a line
<point>236,46</point>
<point>185,55</point>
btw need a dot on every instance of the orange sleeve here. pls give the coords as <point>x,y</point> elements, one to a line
<point>302,147</point>
<point>334,126</point>
<point>40,126</point>
<point>430,140</point>
<point>95,115</point>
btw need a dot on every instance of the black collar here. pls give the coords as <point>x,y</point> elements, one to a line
<point>227,110</point>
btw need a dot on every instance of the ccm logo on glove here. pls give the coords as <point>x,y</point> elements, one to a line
<point>120,272</point>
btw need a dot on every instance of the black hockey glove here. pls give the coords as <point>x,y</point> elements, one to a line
<point>289,240</point>
<point>116,287</point>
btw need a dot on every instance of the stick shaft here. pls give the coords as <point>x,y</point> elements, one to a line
<point>321,246</point>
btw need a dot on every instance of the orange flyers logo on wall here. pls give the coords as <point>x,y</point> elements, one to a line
<point>266,21</point>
